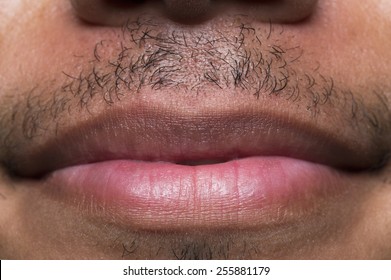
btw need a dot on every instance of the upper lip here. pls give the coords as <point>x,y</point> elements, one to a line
<point>142,133</point>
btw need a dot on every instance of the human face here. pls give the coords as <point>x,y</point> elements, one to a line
<point>195,129</point>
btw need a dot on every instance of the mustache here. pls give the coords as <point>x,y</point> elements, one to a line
<point>148,55</point>
<point>190,61</point>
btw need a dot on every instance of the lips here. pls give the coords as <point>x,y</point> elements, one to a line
<point>161,169</point>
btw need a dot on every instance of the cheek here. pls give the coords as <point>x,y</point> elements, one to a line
<point>343,35</point>
<point>42,40</point>
<point>9,9</point>
<point>384,8</point>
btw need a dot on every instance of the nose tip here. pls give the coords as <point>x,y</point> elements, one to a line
<point>188,11</point>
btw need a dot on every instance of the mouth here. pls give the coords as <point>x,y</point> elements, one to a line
<point>174,170</point>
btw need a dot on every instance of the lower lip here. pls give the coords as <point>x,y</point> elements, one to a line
<point>243,193</point>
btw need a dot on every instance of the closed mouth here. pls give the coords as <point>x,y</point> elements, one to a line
<point>177,169</point>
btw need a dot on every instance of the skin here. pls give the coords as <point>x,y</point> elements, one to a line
<point>43,44</point>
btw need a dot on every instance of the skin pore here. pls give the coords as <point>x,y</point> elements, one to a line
<point>57,70</point>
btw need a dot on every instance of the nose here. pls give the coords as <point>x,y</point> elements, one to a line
<point>117,12</point>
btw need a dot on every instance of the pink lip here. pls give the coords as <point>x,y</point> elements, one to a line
<point>240,193</point>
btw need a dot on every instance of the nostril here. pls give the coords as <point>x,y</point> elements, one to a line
<point>107,12</point>
<point>188,11</point>
<point>124,3</point>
